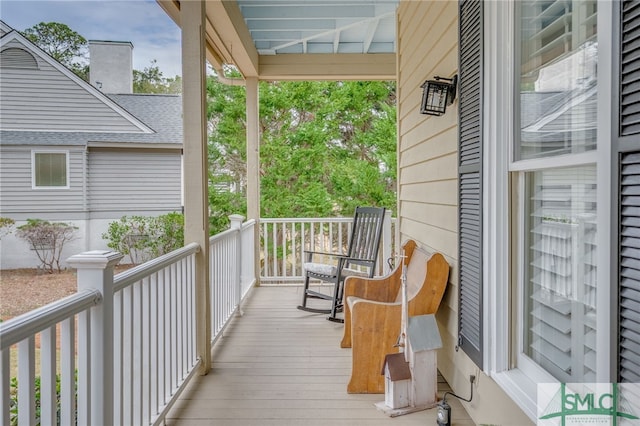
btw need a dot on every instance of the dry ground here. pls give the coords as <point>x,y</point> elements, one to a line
<point>22,290</point>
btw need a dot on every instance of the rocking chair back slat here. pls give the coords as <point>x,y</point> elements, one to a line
<point>362,252</point>
<point>365,236</point>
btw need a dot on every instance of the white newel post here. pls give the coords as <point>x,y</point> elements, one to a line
<point>387,241</point>
<point>236,224</point>
<point>95,272</point>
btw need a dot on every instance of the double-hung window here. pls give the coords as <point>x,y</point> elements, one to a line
<point>555,187</point>
<point>50,169</point>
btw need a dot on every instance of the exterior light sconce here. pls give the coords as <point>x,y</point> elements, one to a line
<point>437,94</point>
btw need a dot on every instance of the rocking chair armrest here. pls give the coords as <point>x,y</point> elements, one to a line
<point>336,255</point>
<point>310,254</point>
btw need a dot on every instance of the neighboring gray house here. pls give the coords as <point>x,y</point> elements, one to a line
<point>70,152</point>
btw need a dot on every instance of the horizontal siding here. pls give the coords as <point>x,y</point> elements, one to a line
<point>438,169</point>
<point>424,60</point>
<point>444,217</point>
<point>427,145</point>
<point>16,190</point>
<point>427,180</point>
<point>427,162</point>
<point>435,192</point>
<point>134,181</point>
<point>46,99</point>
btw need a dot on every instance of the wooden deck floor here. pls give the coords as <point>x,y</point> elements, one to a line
<point>277,365</point>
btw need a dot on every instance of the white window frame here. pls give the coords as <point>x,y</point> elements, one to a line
<point>33,168</point>
<point>502,342</point>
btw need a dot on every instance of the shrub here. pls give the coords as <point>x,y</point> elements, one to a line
<point>168,232</point>
<point>146,237</point>
<point>13,399</point>
<point>47,240</point>
<point>6,226</point>
<point>129,236</point>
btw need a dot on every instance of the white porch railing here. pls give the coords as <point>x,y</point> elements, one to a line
<point>145,315</point>
<point>154,336</point>
<point>123,347</point>
<point>284,240</point>
<point>231,270</point>
<point>67,320</point>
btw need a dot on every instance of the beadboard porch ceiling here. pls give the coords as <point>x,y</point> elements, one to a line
<point>300,39</point>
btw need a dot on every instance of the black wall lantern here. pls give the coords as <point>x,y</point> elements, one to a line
<point>437,94</point>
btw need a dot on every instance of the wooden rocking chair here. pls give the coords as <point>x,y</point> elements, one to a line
<point>364,242</point>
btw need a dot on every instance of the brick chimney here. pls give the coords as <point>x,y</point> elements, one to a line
<point>111,66</point>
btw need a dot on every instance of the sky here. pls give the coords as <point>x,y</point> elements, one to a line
<point>142,22</point>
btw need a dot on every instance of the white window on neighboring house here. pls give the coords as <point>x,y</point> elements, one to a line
<point>555,171</point>
<point>50,169</point>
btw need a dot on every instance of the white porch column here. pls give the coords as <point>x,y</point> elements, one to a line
<point>95,271</point>
<point>196,200</point>
<point>253,163</point>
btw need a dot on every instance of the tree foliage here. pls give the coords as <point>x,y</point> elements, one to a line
<point>151,80</point>
<point>326,147</point>
<point>62,43</point>
<point>71,50</point>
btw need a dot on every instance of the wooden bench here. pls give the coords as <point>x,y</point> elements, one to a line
<point>373,312</point>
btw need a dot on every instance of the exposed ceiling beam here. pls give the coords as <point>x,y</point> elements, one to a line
<point>229,26</point>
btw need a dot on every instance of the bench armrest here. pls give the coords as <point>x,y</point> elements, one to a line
<point>375,329</point>
<point>383,289</point>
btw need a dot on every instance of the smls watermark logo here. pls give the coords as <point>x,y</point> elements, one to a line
<point>573,404</point>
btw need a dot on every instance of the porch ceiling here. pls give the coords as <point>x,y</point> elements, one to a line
<point>300,39</point>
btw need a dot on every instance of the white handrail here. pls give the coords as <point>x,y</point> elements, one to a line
<point>135,274</point>
<point>22,330</point>
<point>26,325</point>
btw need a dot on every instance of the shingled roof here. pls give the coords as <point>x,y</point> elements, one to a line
<point>144,119</point>
<point>163,113</point>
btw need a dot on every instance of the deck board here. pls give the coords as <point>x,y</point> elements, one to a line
<point>277,365</point>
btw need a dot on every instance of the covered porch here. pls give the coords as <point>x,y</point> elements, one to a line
<point>122,350</point>
<point>274,364</point>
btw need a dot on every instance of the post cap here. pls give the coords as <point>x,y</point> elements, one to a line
<point>95,259</point>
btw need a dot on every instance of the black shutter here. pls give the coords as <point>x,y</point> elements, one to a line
<point>630,69</point>
<point>626,156</point>
<point>470,180</point>
<point>629,280</point>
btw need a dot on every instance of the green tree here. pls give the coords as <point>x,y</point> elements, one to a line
<point>227,153</point>
<point>326,147</point>
<point>151,80</point>
<point>62,43</point>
